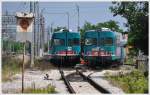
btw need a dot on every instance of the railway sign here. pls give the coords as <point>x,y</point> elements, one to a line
<point>24,26</point>
<point>24,22</point>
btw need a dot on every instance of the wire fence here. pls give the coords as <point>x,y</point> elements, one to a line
<point>140,62</point>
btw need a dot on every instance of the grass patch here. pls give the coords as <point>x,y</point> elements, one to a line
<point>135,82</point>
<point>130,60</point>
<point>49,89</point>
<point>10,66</point>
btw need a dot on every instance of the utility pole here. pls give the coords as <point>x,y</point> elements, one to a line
<point>68,19</point>
<point>42,31</point>
<point>78,17</point>
<point>38,28</point>
<point>32,43</point>
<point>36,51</point>
<point>31,9</point>
<point>24,46</point>
<point>49,28</point>
<point>52,27</point>
<point>48,39</point>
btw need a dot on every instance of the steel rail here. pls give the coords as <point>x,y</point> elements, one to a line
<point>70,89</point>
<point>93,83</point>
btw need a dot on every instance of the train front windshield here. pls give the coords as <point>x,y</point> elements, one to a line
<point>73,42</point>
<point>58,42</point>
<point>106,42</point>
<point>90,41</point>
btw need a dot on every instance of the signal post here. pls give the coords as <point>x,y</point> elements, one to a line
<point>24,32</point>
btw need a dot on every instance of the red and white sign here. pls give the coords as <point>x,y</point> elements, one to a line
<point>24,22</point>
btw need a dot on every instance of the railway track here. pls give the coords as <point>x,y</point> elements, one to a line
<point>70,89</point>
<point>87,85</point>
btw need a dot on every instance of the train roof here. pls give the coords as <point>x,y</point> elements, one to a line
<point>117,33</point>
<point>63,31</point>
<point>63,35</point>
<point>101,30</point>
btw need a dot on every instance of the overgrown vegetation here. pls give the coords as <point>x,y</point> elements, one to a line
<point>10,66</point>
<point>49,89</point>
<point>131,60</point>
<point>135,82</point>
<point>12,46</point>
<point>136,14</point>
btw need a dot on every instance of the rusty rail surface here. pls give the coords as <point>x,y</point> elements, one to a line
<point>93,83</point>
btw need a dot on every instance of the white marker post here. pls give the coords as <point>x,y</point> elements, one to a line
<point>24,27</point>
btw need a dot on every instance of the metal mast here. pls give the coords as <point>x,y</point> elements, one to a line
<point>78,17</point>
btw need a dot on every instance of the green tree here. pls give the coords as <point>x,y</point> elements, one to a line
<point>87,26</point>
<point>12,46</point>
<point>113,25</point>
<point>18,46</point>
<point>136,14</point>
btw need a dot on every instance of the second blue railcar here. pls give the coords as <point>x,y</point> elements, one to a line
<point>103,47</point>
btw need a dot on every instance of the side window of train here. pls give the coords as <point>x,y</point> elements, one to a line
<point>90,41</point>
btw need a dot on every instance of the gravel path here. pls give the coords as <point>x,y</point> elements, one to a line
<point>80,85</point>
<point>84,88</point>
<point>97,76</point>
<point>36,78</point>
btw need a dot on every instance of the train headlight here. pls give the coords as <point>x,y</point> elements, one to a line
<point>69,48</point>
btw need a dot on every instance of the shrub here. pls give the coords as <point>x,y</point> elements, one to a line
<point>10,66</point>
<point>49,89</point>
<point>135,82</point>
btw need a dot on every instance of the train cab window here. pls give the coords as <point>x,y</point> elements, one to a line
<point>108,41</point>
<point>90,41</point>
<point>58,42</point>
<point>73,42</point>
